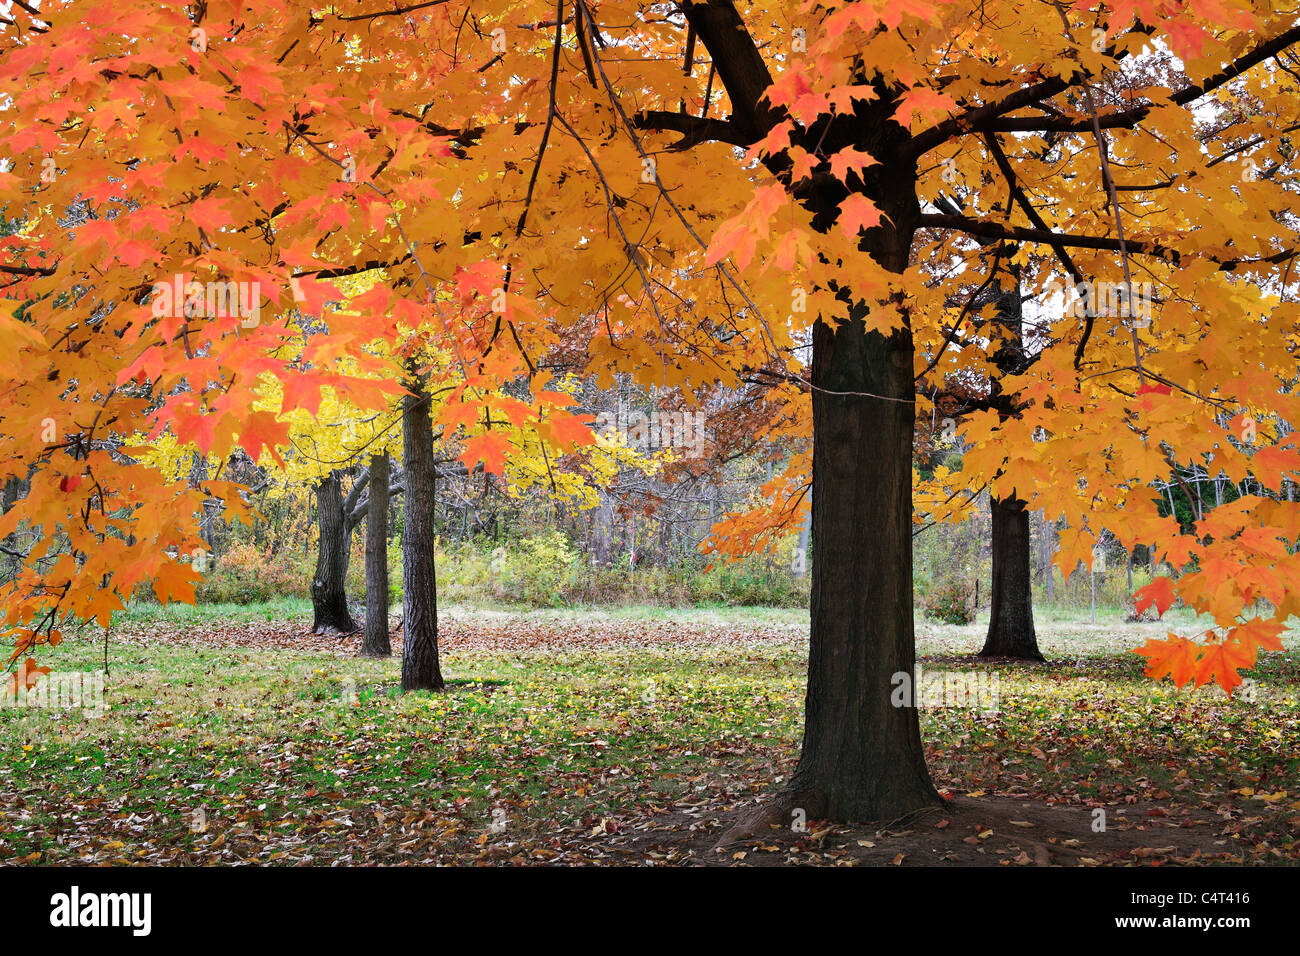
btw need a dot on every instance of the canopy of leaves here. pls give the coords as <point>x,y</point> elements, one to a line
<point>644,188</point>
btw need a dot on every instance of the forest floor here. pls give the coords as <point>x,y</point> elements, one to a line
<point>625,737</point>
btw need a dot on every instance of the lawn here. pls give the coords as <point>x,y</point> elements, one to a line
<point>630,736</point>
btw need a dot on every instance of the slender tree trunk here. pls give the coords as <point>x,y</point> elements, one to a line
<point>1011,616</point>
<point>801,548</point>
<point>328,595</point>
<point>375,642</point>
<point>602,532</point>
<point>420,670</point>
<point>1049,547</point>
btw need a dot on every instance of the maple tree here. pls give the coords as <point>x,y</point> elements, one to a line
<point>698,193</point>
<point>1082,470</point>
<point>1011,632</point>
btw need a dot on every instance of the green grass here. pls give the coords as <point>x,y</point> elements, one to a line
<point>281,609</point>
<point>287,737</point>
<point>301,755</point>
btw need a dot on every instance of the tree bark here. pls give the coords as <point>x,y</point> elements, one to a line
<point>1011,618</point>
<point>375,641</point>
<point>420,668</point>
<point>862,756</point>
<point>328,594</point>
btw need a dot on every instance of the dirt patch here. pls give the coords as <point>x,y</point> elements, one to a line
<point>985,831</point>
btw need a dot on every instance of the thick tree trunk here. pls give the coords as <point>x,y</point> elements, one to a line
<point>420,670</point>
<point>375,642</point>
<point>862,756</point>
<point>328,595</point>
<point>1011,619</point>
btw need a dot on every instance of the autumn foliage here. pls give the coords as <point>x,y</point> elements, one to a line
<point>526,177</point>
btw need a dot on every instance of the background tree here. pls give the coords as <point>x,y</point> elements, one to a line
<point>335,517</point>
<point>375,642</point>
<point>420,667</point>
<point>1011,631</point>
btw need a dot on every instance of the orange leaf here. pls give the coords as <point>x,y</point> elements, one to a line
<point>1159,592</point>
<point>857,213</point>
<point>490,449</point>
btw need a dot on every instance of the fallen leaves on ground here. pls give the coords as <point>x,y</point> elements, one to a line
<point>622,742</point>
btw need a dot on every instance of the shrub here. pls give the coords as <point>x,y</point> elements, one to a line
<point>545,570</point>
<point>246,575</point>
<point>537,573</point>
<point>540,570</point>
<point>950,602</point>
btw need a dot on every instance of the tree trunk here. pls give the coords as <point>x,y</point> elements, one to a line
<point>602,538</point>
<point>375,642</point>
<point>801,547</point>
<point>862,756</point>
<point>328,595</point>
<point>1049,549</point>
<point>1011,596</point>
<point>420,670</point>
<point>1011,618</point>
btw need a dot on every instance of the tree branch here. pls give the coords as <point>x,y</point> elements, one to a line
<point>694,129</point>
<point>987,117</point>
<point>1126,119</point>
<point>740,64</point>
<point>994,230</point>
